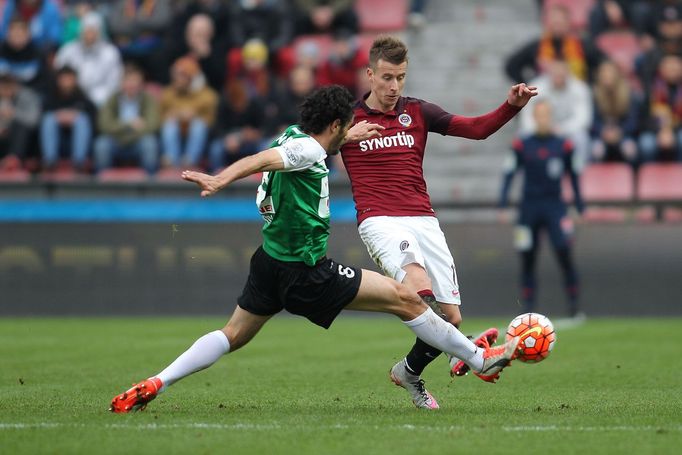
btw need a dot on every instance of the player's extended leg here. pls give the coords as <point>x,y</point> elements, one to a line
<point>205,351</point>
<point>378,293</point>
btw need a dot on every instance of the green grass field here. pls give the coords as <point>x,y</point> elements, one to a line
<point>610,386</point>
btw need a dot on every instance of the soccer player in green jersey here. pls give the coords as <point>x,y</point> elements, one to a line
<point>290,270</point>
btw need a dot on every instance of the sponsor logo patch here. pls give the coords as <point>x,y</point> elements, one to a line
<point>397,140</point>
<point>404,245</point>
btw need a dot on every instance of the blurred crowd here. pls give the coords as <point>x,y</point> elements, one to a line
<point>89,85</point>
<point>161,84</point>
<point>612,73</point>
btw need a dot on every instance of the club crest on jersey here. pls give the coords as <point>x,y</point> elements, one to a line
<point>405,120</point>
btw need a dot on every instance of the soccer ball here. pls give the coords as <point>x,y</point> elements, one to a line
<point>537,336</point>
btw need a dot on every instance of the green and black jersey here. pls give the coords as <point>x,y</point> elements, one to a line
<point>294,202</point>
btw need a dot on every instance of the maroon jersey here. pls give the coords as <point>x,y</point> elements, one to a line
<point>386,173</point>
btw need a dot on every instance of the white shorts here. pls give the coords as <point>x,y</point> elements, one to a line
<point>395,241</point>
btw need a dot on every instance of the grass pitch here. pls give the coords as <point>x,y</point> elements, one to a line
<point>610,386</point>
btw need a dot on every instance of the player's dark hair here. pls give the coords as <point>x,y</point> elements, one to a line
<point>388,49</point>
<point>323,106</point>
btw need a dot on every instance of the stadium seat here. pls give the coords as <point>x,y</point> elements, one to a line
<point>382,15</point>
<point>605,215</point>
<point>604,182</point>
<point>14,176</point>
<point>622,47</point>
<point>608,182</point>
<point>580,10</point>
<point>122,175</point>
<point>61,174</point>
<point>169,175</point>
<point>660,182</point>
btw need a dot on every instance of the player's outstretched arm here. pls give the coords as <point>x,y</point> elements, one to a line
<point>267,160</point>
<point>520,94</point>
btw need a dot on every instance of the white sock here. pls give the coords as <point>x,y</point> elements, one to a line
<point>435,331</point>
<point>202,354</point>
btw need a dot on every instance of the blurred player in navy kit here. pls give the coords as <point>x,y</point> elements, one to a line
<point>544,158</point>
<point>395,219</point>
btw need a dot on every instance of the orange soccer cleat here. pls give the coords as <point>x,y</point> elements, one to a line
<point>137,397</point>
<point>486,339</point>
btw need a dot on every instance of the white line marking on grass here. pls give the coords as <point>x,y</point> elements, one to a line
<point>337,426</point>
<point>590,429</point>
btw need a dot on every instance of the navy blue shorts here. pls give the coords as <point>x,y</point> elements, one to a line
<point>551,216</point>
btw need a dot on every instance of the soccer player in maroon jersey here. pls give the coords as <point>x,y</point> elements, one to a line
<point>395,218</point>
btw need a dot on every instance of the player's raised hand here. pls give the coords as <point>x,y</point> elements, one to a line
<point>363,130</point>
<point>520,94</point>
<point>208,183</point>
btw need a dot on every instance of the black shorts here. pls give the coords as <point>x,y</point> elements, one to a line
<point>318,293</point>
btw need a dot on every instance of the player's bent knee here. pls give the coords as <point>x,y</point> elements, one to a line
<point>416,277</point>
<point>452,314</point>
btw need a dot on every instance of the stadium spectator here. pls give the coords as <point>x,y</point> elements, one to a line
<point>188,110</point>
<point>76,11</point>
<point>220,11</point>
<point>617,110</point>
<point>571,102</point>
<point>545,158</point>
<point>197,41</point>
<point>308,53</point>
<point>668,32</point>
<point>325,16</point>
<point>128,123</point>
<point>416,19</point>
<point>19,116</point>
<point>97,62</point>
<point>268,21</point>
<point>657,18</point>
<point>43,16</point>
<point>22,58</point>
<point>138,27</point>
<point>283,110</point>
<point>345,65</point>
<point>609,15</point>
<point>253,70</point>
<point>238,127</point>
<point>558,42</point>
<point>67,119</point>
<point>662,135</point>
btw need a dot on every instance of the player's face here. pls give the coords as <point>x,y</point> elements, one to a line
<point>386,82</point>
<point>340,132</point>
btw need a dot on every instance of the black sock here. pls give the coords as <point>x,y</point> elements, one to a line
<point>421,353</point>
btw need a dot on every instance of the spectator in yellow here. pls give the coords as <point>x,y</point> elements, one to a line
<point>188,110</point>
